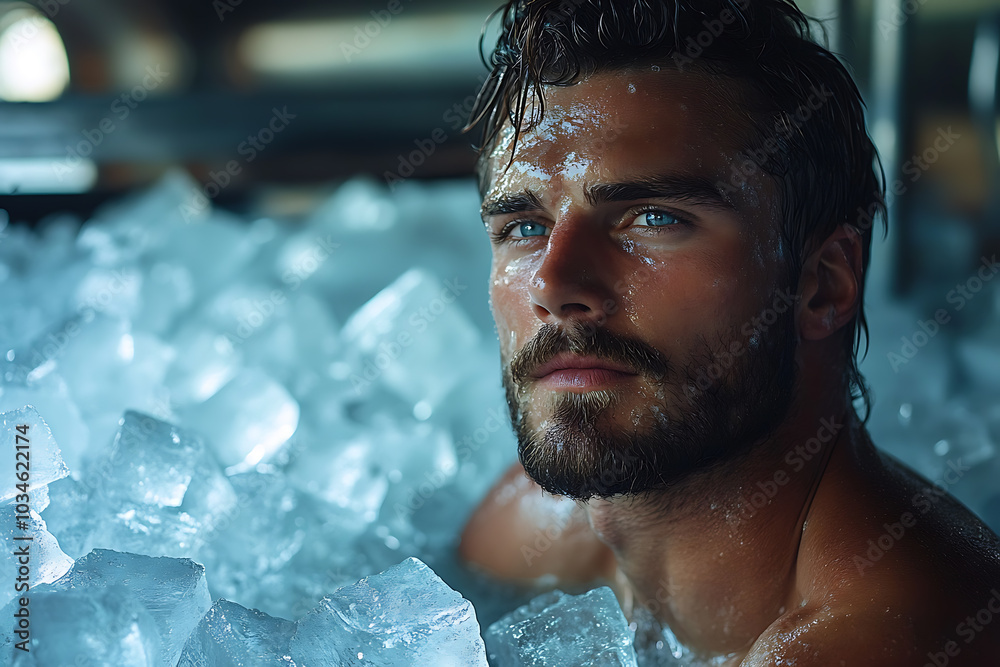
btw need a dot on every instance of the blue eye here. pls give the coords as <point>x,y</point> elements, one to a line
<point>528,229</point>
<point>656,219</point>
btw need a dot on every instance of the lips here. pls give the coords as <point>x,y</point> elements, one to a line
<point>573,364</point>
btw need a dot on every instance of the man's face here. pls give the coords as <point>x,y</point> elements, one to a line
<point>627,283</point>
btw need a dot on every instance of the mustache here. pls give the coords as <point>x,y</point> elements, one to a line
<point>579,338</point>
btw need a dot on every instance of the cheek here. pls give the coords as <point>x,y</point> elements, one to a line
<point>686,298</point>
<point>510,301</point>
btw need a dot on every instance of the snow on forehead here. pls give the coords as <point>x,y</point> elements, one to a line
<point>560,124</point>
<point>557,124</point>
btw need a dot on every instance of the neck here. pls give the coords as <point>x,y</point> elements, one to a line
<point>715,558</point>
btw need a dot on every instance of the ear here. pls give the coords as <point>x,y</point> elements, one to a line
<point>831,284</point>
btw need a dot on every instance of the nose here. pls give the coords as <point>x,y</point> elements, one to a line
<point>572,282</point>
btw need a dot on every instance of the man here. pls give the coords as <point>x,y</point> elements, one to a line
<point>680,200</point>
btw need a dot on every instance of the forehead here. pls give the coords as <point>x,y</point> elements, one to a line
<point>630,123</point>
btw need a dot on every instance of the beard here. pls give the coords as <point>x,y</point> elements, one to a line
<point>710,411</point>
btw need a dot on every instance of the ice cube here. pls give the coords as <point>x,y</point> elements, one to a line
<point>47,560</point>
<point>248,420</point>
<point>110,369</point>
<point>330,250</point>
<point>230,635</point>
<point>155,492</point>
<point>153,461</point>
<point>145,529</point>
<point>50,396</point>
<point>560,630</point>
<point>402,617</point>
<point>64,518</point>
<point>351,475</point>
<point>167,290</point>
<point>136,224</point>
<point>243,310</point>
<point>385,472</point>
<point>30,451</point>
<point>214,251</point>
<point>101,626</point>
<point>302,342</point>
<point>172,590</point>
<point>114,292</point>
<point>360,205</point>
<point>250,549</point>
<point>208,363</point>
<point>410,335</point>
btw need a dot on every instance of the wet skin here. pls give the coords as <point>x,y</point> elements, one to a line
<point>780,584</point>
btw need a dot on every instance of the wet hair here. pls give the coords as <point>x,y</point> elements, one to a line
<point>804,116</point>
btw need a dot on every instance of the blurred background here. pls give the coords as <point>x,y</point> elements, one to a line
<point>102,96</point>
<point>298,132</point>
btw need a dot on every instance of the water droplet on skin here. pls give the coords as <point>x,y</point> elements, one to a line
<point>631,87</point>
<point>656,68</point>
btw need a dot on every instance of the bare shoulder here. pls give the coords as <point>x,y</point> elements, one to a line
<point>893,570</point>
<point>519,532</point>
<point>822,637</point>
<point>871,635</point>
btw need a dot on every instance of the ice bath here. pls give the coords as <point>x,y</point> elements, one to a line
<point>601,397</point>
<point>221,398</point>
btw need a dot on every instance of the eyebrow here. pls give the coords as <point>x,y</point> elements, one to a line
<point>515,203</point>
<point>679,187</point>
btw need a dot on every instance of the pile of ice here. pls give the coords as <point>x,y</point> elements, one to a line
<point>559,630</point>
<point>257,412</point>
<point>268,413</point>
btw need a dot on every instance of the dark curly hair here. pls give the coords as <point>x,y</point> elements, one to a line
<point>826,167</point>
